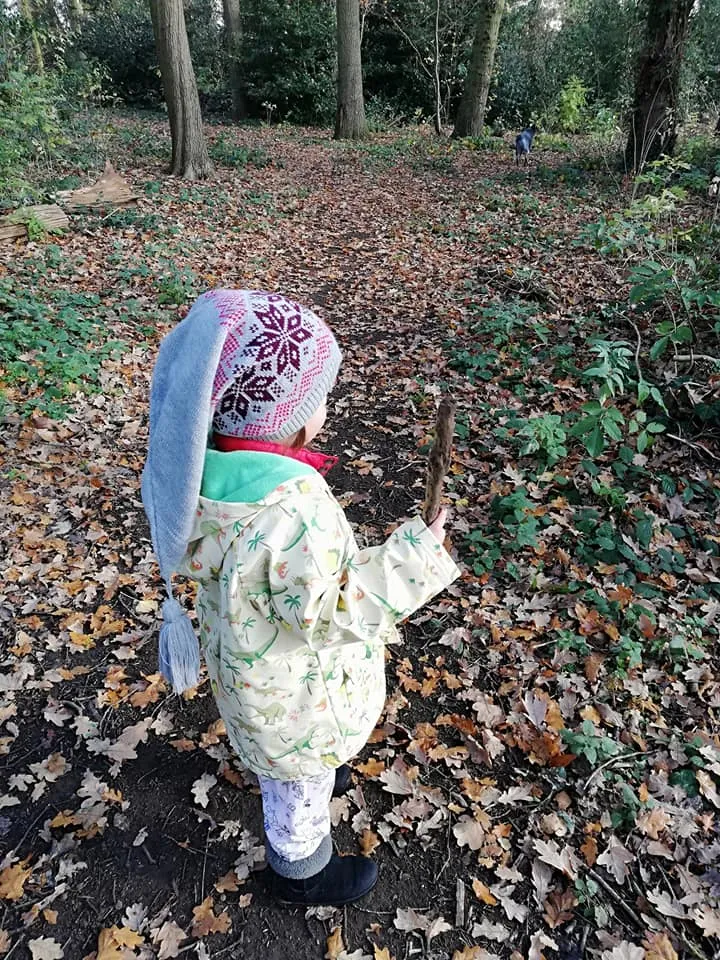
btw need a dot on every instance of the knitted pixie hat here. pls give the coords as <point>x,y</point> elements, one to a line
<point>246,364</point>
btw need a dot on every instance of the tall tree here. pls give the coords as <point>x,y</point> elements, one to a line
<point>233,39</point>
<point>28,14</point>
<point>471,112</point>
<point>350,123</point>
<point>655,114</point>
<point>189,152</point>
<point>75,13</point>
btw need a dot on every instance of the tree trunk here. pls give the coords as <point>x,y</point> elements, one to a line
<point>436,73</point>
<point>189,152</point>
<point>26,11</point>
<point>471,112</point>
<point>654,119</point>
<point>75,13</point>
<point>233,39</point>
<point>350,121</point>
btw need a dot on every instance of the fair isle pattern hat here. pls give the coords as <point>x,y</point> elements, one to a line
<point>261,365</point>
<point>278,363</point>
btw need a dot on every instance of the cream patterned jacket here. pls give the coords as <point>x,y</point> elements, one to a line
<point>293,615</point>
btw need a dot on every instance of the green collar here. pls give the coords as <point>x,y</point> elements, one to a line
<point>246,476</point>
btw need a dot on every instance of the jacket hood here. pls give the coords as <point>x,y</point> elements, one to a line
<point>236,488</point>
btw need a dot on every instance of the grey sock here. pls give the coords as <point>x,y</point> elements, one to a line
<point>300,869</point>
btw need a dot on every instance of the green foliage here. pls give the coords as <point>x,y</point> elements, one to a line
<point>230,154</point>
<point>118,34</point>
<point>587,742</point>
<point>546,436</point>
<point>569,111</point>
<point>176,285</point>
<point>29,124</point>
<point>598,425</point>
<point>288,58</point>
<point>536,62</point>
<point>612,368</point>
<point>52,345</point>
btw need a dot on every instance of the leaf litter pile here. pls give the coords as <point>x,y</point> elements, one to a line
<point>544,780</point>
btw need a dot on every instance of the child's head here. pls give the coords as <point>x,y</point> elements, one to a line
<point>278,363</point>
<point>243,364</point>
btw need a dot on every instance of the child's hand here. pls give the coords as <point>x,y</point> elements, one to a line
<point>437,527</point>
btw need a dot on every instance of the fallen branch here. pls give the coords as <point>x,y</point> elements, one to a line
<point>46,216</point>
<point>439,459</point>
<point>110,191</point>
<point>614,895</point>
<point>694,445</point>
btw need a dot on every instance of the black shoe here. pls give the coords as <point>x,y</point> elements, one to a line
<point>343,880</point>
<point>343,780</point>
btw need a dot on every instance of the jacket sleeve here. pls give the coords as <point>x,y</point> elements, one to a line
<point>321,583</point>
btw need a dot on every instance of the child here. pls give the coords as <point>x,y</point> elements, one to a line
<point>293,615</point>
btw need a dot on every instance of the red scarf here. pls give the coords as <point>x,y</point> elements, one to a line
<point>318,461</point>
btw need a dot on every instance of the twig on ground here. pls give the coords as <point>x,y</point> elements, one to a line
<point>637,348</point>
<point>207,841</point>
<point>14,947</point>
<point>459,903</point>
<point>614,895</point>
<point>610,763</point>
<point>694,444</point>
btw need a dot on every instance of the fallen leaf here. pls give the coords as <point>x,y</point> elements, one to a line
<point>666,905</point>
<point>708,920</point>
<point>169,937</point>
<point>658,947</point>
<point>589,850</point>
<point>562,860</point>
<point>228,883</point>
<point>707,787</point>
<point>537,942</point>
<point>108,948</point>
<point>652,822</point>
<point>559,908</point>
<point>472,953</point>
<point>624,951</point>
<point>13,880</point>
<point>436,927</point>
<point>335,945</point>
<point>536,707</point>
<point>616,858</point>
<point>483,893</point>
<point>368,842</point>
<point>45,948</point>
<point>205,922</point>
<point>468,832</point>
<point>371,768</point>
<point>409,919</point>
<point>201,787</point>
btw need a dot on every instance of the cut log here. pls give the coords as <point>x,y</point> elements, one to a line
<point>111,190</point>
<point>16,223</point>
<point>439,459</point>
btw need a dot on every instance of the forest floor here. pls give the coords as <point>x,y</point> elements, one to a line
<point>545,779</point>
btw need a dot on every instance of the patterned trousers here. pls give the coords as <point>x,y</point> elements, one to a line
<point>297,814</point>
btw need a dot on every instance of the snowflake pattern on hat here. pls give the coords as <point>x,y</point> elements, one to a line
<point>278,363</point>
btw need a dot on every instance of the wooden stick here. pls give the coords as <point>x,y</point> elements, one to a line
<point>439,459</point>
